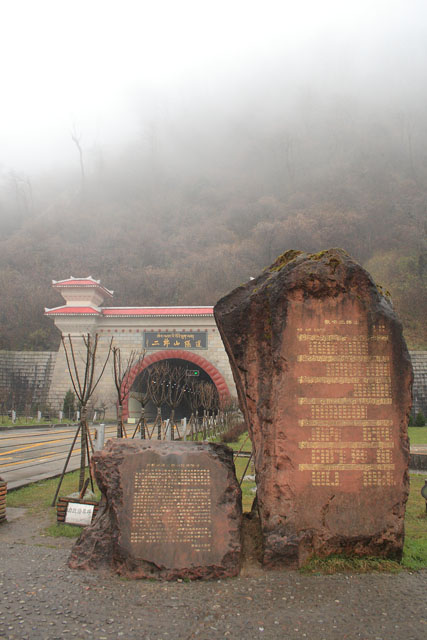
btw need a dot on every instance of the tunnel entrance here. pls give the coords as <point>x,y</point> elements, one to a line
<point>190,360</point>
<point>193,375</point>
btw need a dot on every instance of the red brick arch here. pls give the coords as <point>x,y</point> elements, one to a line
<point>216,377</point>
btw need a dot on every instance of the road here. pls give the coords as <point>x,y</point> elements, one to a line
<point>29,455</point>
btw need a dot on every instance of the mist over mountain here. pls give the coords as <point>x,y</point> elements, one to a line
<point>312,141</point>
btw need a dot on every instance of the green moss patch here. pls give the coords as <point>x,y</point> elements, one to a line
<point>284,259</point>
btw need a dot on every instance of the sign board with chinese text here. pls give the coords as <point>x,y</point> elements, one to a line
<point>175,340</point>
<point>79,513</point>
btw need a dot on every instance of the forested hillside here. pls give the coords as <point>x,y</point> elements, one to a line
<point>185,212</point>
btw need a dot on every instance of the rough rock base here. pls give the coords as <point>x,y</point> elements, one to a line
<point>324,381</point>
<point>169,510</point>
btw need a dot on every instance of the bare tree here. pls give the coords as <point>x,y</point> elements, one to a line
<point>194,401</point>
<point>121,371</point>
<point>84,383</point>
<point>158,376</point>
<point>142,388</point>
<point>76,137</point>
<point>23,189</point>
<point>209,396</point>
<point>209,400</point>
<point>175,389</point>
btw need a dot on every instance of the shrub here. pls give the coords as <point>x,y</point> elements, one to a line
<point>233,434</point>
<point>420,421</point>
<point>68,406</point>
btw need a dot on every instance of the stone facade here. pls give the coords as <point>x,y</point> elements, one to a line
<point>128,335</point>
<point>126,327</point>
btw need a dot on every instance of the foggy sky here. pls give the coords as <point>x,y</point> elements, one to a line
<point>113,68</point>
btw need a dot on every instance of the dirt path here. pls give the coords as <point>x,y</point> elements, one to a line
<point>42,599</point>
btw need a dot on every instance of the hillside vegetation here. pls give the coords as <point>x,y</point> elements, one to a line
<point>183,215</point>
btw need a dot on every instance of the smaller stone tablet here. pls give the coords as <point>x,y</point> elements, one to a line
<point>169,510</point>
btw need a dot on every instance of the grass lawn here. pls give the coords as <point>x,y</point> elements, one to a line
<point>247,494</point>
<point>244,443</point>
<point>37,498</point>
<point>415,549</point>
<point>417,435</point>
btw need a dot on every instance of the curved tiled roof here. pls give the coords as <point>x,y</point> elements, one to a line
<point>131,312</point>
<point>72,311</point>
<point>156,311</point>
<point>88,282</point>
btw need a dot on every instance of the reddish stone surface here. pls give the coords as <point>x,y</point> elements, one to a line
<point>169,510</point>
<point>324,380</point>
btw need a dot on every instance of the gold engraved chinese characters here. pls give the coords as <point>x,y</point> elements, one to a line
<point>175,340</point>
<point>172,504</point>
<point>344,379</point>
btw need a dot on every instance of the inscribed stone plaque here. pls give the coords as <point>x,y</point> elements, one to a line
<point>175,340</point>
<point>169,510</point>
<point>324,378</point>
<point>175,509</point>
<point>172,503</point>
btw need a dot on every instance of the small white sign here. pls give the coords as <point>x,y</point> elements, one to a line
<point>79,513</point>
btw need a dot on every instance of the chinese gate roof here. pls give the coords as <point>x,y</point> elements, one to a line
<point>72,311</point>
<point>130,312</point>
<point>81,282</point>
<point>157,311</point>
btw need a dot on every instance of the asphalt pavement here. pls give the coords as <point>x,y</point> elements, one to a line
<point>42,599</point>
<point>35,453</point>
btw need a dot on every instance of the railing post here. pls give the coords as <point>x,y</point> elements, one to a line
<point>168,429</point>
<point>99,437</point>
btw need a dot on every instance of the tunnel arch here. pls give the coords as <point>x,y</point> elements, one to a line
<point>176,354</point>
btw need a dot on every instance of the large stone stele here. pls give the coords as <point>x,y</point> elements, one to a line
<point>169,510</point>
<point>324,380</point>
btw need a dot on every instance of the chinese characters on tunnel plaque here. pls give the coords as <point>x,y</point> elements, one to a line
<point>175,340</point>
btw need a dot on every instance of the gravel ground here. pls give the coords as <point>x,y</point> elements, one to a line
<point>42,599</point>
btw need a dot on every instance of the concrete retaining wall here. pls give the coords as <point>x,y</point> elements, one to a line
<point>25,377</point>
<point>419,364</point>
<point>418,462</point>
<point>34,370</point>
